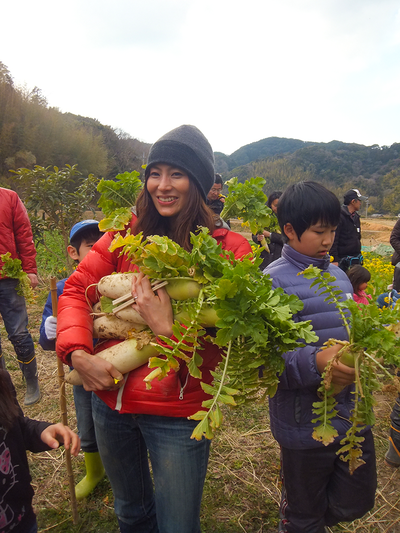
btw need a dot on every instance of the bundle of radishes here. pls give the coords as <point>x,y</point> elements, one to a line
<point>208,288</point>
<point>252,323</point>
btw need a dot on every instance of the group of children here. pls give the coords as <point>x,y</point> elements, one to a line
<point>19,433</point>
<point>317,488</point>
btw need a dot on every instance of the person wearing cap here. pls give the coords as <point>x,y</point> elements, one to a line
<point>82,237</point>
<point>346,248</point>
<point>17,239</point>
<point>133,423</point>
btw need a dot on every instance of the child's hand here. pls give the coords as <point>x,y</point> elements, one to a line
<point>50,327</point>
<point>57,434</point>
<point>341,374</point>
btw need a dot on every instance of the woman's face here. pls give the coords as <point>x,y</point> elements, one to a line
<point>274,205</point>
<point>169,189</point>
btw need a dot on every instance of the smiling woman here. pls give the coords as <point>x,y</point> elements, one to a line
<point>132,421</point>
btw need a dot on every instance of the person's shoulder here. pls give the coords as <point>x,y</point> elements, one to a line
<point>232,241</point>
<point>282,272</point>
<point>337,272</point>
<point>342,278</point>
<point>275,266</point>
<point>396,227</point>
<point>235,238</point>
<point>9,193</point>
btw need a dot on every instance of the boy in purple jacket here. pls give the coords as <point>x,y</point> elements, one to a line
<point>317,488</point>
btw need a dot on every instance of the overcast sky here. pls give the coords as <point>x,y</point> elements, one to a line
<point>315,70</point>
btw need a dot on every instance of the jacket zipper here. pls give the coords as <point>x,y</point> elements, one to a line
<point>183,387</point>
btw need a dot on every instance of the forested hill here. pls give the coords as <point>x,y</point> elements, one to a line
<point>375,170</point>
<point>32,133</point>
<point>257,150</point>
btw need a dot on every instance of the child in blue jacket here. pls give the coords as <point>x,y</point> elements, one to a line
<point>317,488</point>
<point>83,236</point>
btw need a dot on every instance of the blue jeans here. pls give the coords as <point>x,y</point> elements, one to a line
<point>179,466</point>
<point>15,317</point>
<point>84,419</point>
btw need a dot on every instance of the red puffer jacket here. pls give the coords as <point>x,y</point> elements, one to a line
<point>178,394</point>
<point>16,232</point>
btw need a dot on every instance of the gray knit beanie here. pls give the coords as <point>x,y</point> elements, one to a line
<point>186,148</point>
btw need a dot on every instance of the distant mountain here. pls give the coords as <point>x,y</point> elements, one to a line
<point>257,150</point>
<point>375,170</point>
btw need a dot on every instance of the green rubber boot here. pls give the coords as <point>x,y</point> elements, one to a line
<point>94,474</point>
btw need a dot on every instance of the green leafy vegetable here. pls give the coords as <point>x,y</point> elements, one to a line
<point>371,346</point>
<point>12,268</point>
<point>248,202</point>
<point>117,199</point>
<point>254,322</point>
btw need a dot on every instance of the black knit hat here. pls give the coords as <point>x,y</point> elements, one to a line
<point>186,148</point>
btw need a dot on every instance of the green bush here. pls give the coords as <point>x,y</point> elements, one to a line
<point>50,258</point>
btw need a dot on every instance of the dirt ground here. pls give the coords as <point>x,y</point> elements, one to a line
<point>376,231</point>
<point>247,473</point>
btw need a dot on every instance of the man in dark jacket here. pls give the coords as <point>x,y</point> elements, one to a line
<point>346,249</point>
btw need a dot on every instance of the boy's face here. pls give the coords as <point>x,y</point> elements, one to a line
<point>84,249</point>
<point>316,241</point>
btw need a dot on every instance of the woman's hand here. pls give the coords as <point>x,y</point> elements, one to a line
<point>57,434</point>
<point>154,308</point>
<point>96,373</point>
<point>341,374</point>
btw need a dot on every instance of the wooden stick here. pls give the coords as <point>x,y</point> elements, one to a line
<point>63,409</point>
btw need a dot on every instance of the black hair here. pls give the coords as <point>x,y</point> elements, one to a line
<point>272,197</point>
<point>9,409</point>
<point>86,234</point>
<point>218,179</point>
<point>306,203</point>
<point>358,275</point>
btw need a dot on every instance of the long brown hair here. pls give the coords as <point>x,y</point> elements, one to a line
<point>195,213</point>
<point>8,406</point>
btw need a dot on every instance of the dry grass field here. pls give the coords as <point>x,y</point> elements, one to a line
<point>242,488</point>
